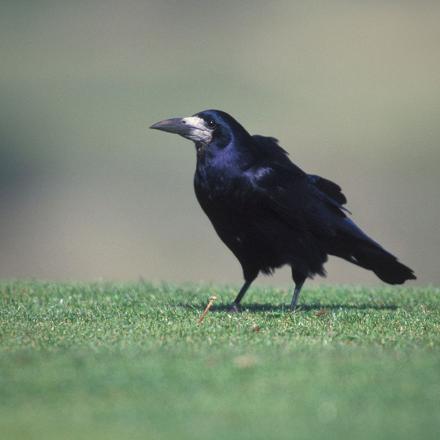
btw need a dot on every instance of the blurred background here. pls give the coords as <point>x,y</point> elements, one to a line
<point>87,192</point>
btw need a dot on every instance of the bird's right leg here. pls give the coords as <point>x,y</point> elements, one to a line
<point>298,279</point>
<point>249,278</point>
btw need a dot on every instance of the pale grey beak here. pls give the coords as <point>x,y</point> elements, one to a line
<point>173,125</point>
<point>192,127</point>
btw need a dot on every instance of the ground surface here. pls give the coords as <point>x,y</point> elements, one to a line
<point>108,361</point>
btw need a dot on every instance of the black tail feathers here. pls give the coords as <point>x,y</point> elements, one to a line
<point>382,263</point>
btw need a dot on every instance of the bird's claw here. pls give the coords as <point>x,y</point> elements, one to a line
<point>295,309</point>
<point>234,308</point>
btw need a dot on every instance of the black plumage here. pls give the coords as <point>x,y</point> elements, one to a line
<point>268,211</point>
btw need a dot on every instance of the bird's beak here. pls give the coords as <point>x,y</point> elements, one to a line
<point>192,127</point>
<point>173,125</point>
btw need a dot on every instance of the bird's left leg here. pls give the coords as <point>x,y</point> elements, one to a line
<point>235,306</point>
<point>298,279</point>
<point>249,277</point>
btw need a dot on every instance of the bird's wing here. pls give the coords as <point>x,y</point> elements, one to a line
<point>331,189</point>
<point>276,169</point>
<point>268,147</point>
<point>308,203</point>
<point>291,198</point>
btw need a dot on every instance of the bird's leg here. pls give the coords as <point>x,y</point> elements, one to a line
<point>299,281</point>
<point>235,307</point>
<point>295,296</point>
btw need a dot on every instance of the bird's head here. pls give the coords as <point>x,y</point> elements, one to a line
<point>206,127</point>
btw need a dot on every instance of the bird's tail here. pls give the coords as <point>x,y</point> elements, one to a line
<point>355,246</point>
<point>382,263</point>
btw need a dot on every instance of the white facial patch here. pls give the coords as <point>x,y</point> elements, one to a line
<point>199,132</point>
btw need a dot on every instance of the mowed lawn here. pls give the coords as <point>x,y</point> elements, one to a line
<point>129,361</point>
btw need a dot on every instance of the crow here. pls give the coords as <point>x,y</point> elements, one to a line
<point>268,211</point>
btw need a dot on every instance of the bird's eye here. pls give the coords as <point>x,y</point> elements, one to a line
<point>211,123</point>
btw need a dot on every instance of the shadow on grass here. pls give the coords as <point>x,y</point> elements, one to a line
<point>255,308</point>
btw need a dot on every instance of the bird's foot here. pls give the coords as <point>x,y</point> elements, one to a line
<point>296,309</point>
<point>234,308</point>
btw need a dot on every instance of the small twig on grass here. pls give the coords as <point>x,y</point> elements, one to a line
<point>210,303</point>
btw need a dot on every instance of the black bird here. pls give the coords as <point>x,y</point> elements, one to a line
<point>268,211</point>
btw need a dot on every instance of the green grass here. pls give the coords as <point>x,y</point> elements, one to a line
<point>114,361</point>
